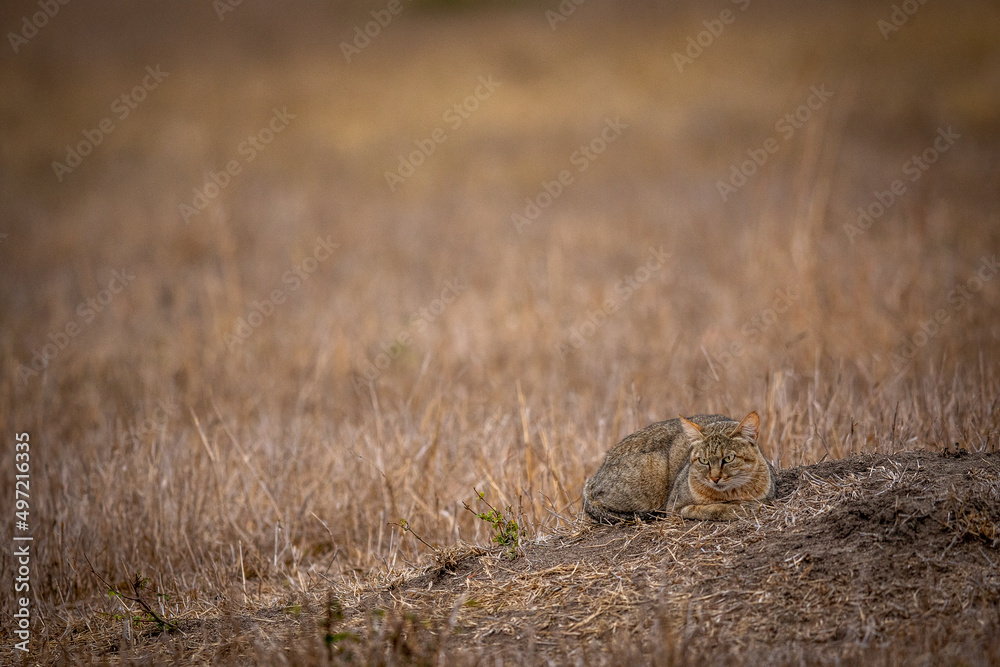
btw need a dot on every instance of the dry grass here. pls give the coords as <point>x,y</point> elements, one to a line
<point>275,471</point>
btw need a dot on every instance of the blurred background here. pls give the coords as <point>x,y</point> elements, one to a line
<point>276,275</point>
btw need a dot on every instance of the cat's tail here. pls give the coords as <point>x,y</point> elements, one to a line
<point>598,513</point>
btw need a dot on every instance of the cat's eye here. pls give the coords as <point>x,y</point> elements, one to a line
<point>703,461</point>
<point>730,457</point>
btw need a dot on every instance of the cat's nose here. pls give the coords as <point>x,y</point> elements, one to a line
<point>715,478</point>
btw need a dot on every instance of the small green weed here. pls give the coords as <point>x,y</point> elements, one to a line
<point>338,642</point>
<point>145,614</point>
<point>506,531</point>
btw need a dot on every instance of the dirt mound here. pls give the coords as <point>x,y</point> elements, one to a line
<point>872,558</point>
<point>868,560</point>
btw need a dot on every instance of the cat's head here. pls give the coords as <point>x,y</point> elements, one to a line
<point>723,457</point>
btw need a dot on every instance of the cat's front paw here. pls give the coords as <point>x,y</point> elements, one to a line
<point>719,511</point>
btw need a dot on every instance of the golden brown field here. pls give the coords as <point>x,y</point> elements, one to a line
<point>273,310</point>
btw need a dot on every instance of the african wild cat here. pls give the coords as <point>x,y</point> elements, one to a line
<point>708,467</point>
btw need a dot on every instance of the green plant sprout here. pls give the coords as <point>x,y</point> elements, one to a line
<point>506,531</point>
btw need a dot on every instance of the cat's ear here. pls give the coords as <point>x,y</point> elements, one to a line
<point>749,427</point>
<point>691,430</point>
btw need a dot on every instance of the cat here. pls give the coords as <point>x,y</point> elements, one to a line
<point>705,467</point>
